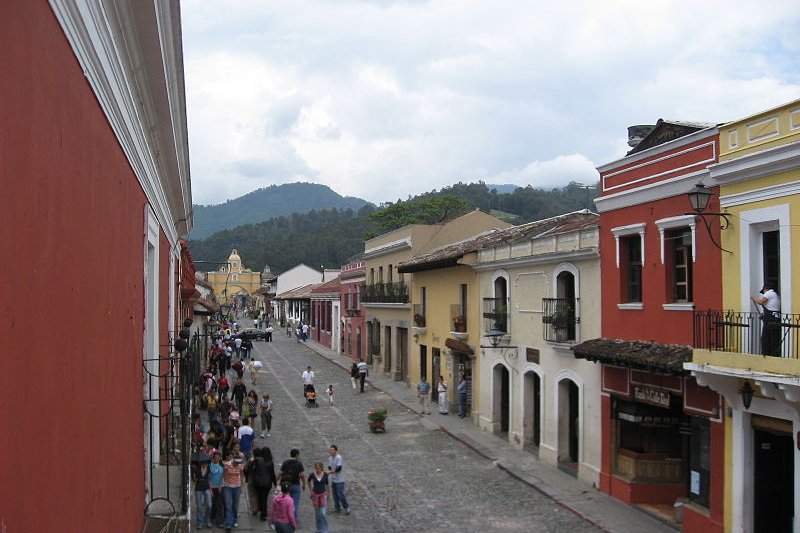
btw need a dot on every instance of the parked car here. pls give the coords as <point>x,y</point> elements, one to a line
<point>253,334</point>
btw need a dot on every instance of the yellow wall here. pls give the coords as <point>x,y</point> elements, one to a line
<point>443,289</point>
<point>233,283</point>
<point>770,128</point>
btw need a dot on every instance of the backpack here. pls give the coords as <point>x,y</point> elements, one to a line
<point>223,383</point>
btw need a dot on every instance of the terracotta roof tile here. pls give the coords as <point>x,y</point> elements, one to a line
<point>641,355</point>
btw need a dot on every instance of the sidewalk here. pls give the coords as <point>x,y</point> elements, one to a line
<point>605,512</point>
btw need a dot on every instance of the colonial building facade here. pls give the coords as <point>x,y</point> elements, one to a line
<point>752,357</point>
<point>662,431</point>
<point>97,194</point>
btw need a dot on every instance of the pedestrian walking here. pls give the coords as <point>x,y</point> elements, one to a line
<point>237,342</point>
<point>329,394</point>
<point>354,376</point>
<point>232,489</point>
<point>362,373</point>
<point>298,333</point>
<point>238,394</point>
<point>238,366</point>
<point>308,380</point>
<point>337,479</point>
<point>217,499</point>
<point>283,511</point>
<point>260,480</point>
<point>222,386</point>
<point>289,330</point>
<point>304,332</point>
<point>247,348</point>
<point>423,390</point>
<point>268,331</point>
<point>292,472</point>
<point>254,371</point>
<point>441,397</point>
<point>246,436</point>
<point>462,397</point>
<point>266,414</point>
<point>319,488</point>
<point>201,476</point>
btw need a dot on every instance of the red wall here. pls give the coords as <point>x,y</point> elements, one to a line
<point>652,323</point>
<point>72,223</point>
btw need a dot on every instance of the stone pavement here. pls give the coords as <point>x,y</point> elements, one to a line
<point>605,512</point>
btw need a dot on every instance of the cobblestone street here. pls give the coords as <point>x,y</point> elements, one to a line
<point>412,478</point>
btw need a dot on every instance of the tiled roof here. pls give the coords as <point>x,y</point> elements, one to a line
<point>450,254</point>
<point>328,286</point>
<point>297,293</point>
<point>641,355</point>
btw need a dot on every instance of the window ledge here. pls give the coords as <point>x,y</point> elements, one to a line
<point>634,306</point>
<point>678,307</point>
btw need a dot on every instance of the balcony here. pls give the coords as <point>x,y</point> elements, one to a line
<point>748,333</point>
<point>458,322</point>
<point>419,319</point>
<point>495,314</point>
<point>392,293</point>
<point>559,319</point>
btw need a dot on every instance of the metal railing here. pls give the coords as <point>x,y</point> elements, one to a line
<point>396,292</point>
<point>776,335</point>
<point>168,403</point>
<point>559,319</point>
<point>495,314</point>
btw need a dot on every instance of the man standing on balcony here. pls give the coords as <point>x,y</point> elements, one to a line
<point>771,320</point>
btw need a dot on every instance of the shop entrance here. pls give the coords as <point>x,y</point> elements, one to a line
<point>773,482</point>
<point>569,421</point>
<point>501,402</point>
<point>533,418</point>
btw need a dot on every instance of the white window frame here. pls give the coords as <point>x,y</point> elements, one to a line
<point>626,231</point>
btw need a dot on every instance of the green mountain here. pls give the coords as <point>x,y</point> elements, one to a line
<point>266,203</point>
<point>327,237</point>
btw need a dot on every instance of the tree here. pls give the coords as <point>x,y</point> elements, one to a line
<point>429,210</point>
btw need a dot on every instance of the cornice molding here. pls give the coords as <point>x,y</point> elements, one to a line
<point>757,165</point>
<point>110,56</point>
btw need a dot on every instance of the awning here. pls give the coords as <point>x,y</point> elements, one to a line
<point>641,355</point>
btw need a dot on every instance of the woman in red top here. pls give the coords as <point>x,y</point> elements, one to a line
<point>282,512</point>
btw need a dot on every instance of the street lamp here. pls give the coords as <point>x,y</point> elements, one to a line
<point>747,394</point>
<point>494,336</point>
<point>699,197</point>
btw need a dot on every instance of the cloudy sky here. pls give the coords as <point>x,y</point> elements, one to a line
<point>385,99</point>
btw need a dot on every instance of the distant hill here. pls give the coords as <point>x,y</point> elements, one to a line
<point>329,236</point>
<point>266,203</point>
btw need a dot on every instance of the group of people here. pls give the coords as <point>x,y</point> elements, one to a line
<point>300,331</point>
<point>218,487</point>
<point>424,392</point>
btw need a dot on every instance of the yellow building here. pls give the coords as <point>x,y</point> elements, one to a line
<point>751,357</point>
<point>233,283</point>
<point>387,293</point>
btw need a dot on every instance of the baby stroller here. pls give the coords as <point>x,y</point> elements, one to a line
<point>311,396</point>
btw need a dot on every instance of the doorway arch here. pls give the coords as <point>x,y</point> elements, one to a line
<point>501,399</point>
<point>569,421</point>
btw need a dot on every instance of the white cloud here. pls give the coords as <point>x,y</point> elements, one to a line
<point>387,99</point>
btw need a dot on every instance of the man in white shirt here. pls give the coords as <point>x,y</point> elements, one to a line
<point>308,380</point>
<point>362,372</point>
<point>238,343</point>
<point>336,477</point>
<point>770,320</point>
<point>305,332</point>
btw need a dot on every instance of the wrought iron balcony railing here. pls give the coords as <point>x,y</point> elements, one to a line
<point>775,335</point>
<point>495,314</point>
<point>396,293</point>
<point>559,319</point>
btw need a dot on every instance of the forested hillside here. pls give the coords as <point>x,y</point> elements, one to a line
<point>266,203</point>
<point>328,237</point>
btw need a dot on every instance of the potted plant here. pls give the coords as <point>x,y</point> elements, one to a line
<point>377,417</point>
<point>459,324</point>
<point>419,320</point>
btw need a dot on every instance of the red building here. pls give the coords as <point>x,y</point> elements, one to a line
<point>96,193</point>
<point>663,435</point>
<point>354,338</point>
<point>325,313</point>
